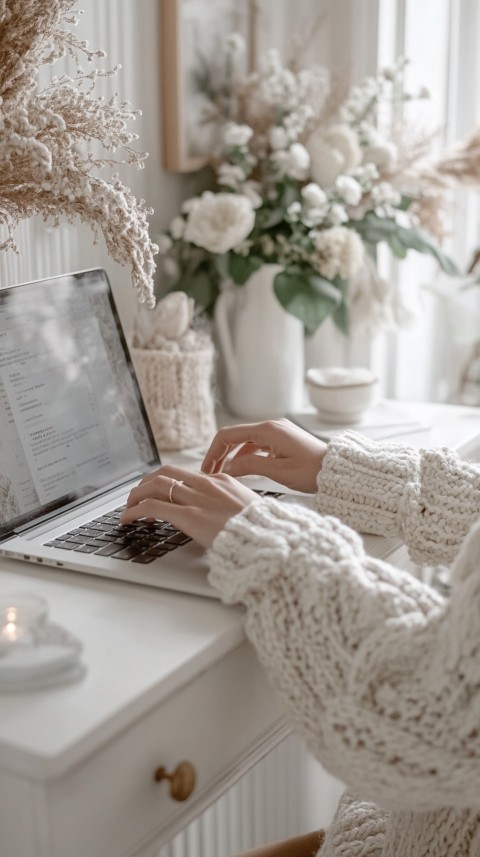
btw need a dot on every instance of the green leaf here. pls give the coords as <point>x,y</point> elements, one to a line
<point>406,202</point>
<point>309,297</point>
<point>268,217</point>
<point>415,239</point>
<point>240,268</point>
<point>398,249</point>
<point>202,287</point>
<point>221,264</point>
<point>374,229</point>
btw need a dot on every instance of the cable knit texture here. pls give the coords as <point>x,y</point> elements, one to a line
<point>379,673</point>
<point>177,388</point>
<point>429,498</point>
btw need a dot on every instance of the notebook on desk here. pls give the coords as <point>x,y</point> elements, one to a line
<point>75,439</point>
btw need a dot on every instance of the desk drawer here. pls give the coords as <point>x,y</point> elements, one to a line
<point>111,806</point>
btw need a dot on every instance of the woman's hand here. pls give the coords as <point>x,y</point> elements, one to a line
<point>197,504</point>
<point>276,448</point>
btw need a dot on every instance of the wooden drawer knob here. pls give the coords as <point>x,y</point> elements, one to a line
<point>182,780</point>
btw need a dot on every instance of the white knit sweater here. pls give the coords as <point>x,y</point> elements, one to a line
<point>379,673</point>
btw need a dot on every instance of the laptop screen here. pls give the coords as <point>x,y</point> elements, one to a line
<point>72,420</point>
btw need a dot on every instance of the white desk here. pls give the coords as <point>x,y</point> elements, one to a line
<point>169,677</point>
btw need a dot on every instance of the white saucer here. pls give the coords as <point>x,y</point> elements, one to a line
<point>54,658</point>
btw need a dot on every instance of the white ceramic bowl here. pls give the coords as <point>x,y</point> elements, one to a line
<point>341,395</point>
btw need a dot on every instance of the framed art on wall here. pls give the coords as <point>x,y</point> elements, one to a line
<point>193,34</point>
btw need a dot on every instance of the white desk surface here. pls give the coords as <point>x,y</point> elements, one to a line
<point>140,644</point>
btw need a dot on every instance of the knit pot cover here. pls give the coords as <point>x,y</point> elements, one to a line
<point>177,389</point>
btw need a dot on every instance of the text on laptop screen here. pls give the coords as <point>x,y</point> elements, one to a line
<point>71,417</point>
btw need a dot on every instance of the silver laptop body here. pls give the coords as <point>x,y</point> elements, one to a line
<point>74,432</point>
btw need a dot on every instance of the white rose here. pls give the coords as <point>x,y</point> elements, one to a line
<point>332,153</point>
<point>220,221</point>
<point>349,189</point>
<point>313,195</point>
<point>177,227</point>
<point>236,135</point>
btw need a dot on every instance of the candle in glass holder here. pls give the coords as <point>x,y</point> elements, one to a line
<point>21,614</point>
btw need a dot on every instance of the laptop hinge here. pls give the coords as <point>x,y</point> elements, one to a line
<point>74,506</point>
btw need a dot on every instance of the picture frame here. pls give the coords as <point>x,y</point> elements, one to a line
<point>191,34</point>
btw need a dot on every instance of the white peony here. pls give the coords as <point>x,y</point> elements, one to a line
<point>236,135</point>
<point>349,189</point>
<point>332,153</point>
<point>220,221</point>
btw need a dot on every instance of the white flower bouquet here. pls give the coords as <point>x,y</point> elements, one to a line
<point>311,186</point>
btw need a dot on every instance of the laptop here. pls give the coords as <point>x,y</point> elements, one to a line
<point>75,439</point>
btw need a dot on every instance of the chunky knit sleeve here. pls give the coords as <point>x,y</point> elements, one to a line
<point>429,498</point>
<point>377,671</point>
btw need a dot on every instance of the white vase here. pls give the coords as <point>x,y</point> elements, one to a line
<point>261,348</point>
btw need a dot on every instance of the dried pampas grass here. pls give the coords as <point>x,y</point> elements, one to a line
<point>45,136</point>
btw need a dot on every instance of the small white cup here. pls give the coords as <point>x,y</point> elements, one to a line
<point>341,395</point>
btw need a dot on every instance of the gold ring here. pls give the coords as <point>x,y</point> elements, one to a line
<point>172,486</point>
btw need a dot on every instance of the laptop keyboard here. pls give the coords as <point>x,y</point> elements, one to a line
<point>143,541</point>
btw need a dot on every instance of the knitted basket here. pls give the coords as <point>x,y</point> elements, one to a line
<point>177,390</point>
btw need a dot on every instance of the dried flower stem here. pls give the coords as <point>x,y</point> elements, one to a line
<point>44,137</point>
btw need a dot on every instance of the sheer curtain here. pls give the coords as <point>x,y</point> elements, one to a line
<point>440,38</point>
